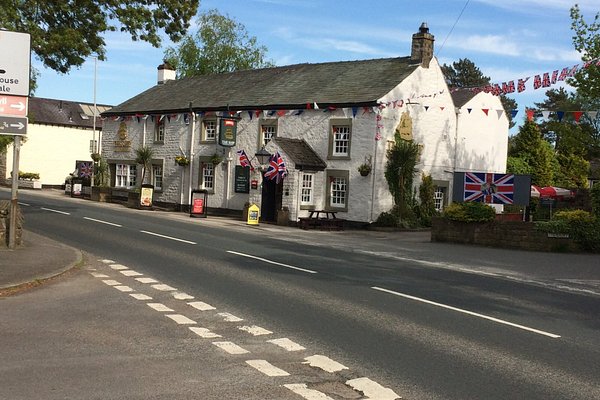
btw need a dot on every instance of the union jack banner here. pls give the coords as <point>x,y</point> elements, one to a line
<point>277,169</point>
<point>489,188</point>
<point>244,161</point>
<point>85,170</point>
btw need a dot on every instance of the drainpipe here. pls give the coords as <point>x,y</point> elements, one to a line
<point>228,178</point>
<point>373,172</point>
<point>192,140</point>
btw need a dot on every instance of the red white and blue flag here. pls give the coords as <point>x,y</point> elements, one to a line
<point>489,188</point>
<point>244,161</point>
<point>277,169</point>
<point>86,170</point>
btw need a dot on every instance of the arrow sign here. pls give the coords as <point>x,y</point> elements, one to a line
<point>13,105</point>
<point>13,125</point>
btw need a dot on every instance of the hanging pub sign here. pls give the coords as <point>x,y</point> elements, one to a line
<point>227,132</point>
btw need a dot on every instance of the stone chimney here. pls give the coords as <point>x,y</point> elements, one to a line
<point>422,46</point>
<point>165,73</point>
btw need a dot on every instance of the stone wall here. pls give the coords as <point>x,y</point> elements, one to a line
<point>507,234</point>
<point>5,224</point>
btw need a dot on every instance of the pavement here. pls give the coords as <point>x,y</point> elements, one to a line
<point>40,257</point>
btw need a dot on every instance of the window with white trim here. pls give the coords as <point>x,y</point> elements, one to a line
<point>125,175</point>
<point>340,138</point>
<point>159,131</point>
<point>439,194</point>
<point>337,190</point>
<point>157,177</point>
<point>307,193</point>
<point>268,130</point>
<point>209,130</point>
<point>207,176</point>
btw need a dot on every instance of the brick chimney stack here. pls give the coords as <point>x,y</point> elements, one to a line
<point>165,73</point>
<point>422,46</point>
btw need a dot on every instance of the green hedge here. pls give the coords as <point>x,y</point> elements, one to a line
<point>469,212</point>
<point>582,226</point>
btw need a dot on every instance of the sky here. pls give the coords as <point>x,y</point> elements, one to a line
<point>506,39</point>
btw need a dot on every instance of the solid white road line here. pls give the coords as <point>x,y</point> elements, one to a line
<point>140,296</point>
<point>229,317</point>
<point>371,389</point>
<point>199,305</point>
<point>159,307</point>
<point>103,222</point>
<point>204,332</point>
<point>55,211</point>
<point>324,363</point>
<point>500,321</point>
<point>272,262</point>
<point>266,368</point>
<point>129,272</point>
<point>255,330</point>
<point>230,347</point>
<point>123,288</point>
<point>181,319</point>
<point>164,288</point>
<point>168,237</point>
<point>111,282</point>
<point>146,280</point>
<point>309,394</point>
<point>118,267</point>
<point>287,344</point>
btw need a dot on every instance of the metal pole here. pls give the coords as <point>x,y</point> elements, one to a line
<point>94,147</point>
<point>14,205</point>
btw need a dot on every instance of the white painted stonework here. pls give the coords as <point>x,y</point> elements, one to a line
<point>478,142</point>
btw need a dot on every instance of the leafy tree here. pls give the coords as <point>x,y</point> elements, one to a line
<point>64,33</point>
<point>465,74</point>
<point>426,208</point>
<point>220,45</point>
<point>532,149</point>
<point>403,156</point>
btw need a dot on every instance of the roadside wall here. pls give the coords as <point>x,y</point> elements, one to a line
<point>507,234</point>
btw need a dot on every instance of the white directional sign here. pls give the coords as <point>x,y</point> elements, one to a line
<point>15,58</point>
<point>13,125</point>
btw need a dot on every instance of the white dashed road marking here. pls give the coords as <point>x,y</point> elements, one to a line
<point>324,363</point>
<point>159,307</point>
<point>55,211</point>
<point>266,368</point>
<point>181,319</point>
<point>111,282</point>
<point>102,222</point>
<point>129,272</point>
<point>164,288</point>
<point>308,394</point>
<point>106,261</point>
<point>199,305</point>
<point>204,332</point>
<point>229,317</point>
<point>287,344</point>
<point>272,262</point>
<point>255,330</point>
<point>230,347</point>
<point>182,296</point>
<point>146,280</point>
<point>371,389</point>
<point>140,296</point>
<point>123,288</point>
<point>99,275</point>
<point>168,237</point>
<point>118,267</point>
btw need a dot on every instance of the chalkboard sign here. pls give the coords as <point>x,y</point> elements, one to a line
<point>242,179</point>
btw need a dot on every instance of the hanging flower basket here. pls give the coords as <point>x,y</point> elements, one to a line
<point>216,159</point>
<point>182,161</point>
<point>364,169</point>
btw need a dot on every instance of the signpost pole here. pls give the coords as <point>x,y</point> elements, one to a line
<point>14,199</point>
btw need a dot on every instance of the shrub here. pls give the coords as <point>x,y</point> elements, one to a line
<point>29,175</point>
<point>469,212</point>
<point>595,192</point>
<point>387,219</point>
<point>580,225</point>
<point>573,216</point>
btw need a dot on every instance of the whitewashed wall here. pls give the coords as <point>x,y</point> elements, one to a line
<point>51,151</point>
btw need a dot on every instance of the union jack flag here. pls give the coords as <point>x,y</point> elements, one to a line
<point>489,188</point>
<point>244,161</point>
<point>85,170</point>
<point>277,169</point>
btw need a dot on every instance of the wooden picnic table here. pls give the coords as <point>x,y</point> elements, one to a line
<point>321,219</point>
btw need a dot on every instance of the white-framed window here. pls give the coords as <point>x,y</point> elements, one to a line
<point>125,175</point>
<point>93,146</point>
<point>268,132</point>
<point>338,190</point>
<point>209,130</point>
<point>157,177</point>
<point>307,193</point>
<point>207,176</point>
<point>340,138</point>
<point>438,198</point>
<point>159,130</point>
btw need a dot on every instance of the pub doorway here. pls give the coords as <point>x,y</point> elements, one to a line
<point>272,195</point>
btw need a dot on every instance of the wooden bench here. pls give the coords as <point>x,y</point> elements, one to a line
<point>314,221</point>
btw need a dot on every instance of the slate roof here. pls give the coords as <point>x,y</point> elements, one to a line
<point>303,156</point>
<point>64,113</point>
<point>341,84</point>
<point>460,97</point>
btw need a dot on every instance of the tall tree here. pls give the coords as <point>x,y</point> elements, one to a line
<point>220,45</point>
<point>63,33</point>
<point>465,74</point>
<point>529,148</point>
